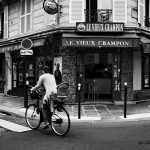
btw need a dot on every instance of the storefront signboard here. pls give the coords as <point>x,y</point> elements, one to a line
<point>96,42</point>
<point>99,27</point>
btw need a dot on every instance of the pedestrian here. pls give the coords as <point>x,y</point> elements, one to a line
<point>57,74</point>
<point>48,81</point>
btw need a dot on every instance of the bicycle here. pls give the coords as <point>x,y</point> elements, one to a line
<point>59,121</point>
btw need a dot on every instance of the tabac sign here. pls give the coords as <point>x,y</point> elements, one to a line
<point>99,27</point>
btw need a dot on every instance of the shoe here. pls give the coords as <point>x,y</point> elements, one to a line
<point>46,126</point>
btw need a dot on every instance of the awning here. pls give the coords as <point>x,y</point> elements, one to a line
<point>145,40</point>
<point>17,46</point>
<point>76,40</point>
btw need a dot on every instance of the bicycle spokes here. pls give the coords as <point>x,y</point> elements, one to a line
<point>60,121</point>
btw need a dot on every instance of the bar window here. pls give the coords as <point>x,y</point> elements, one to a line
<point>146,71</point>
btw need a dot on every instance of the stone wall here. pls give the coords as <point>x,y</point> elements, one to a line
<point>127,72</point>
<point>69,72</point>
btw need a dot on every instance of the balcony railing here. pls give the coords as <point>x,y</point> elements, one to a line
<point>98,15</point>
<point>147,21</point>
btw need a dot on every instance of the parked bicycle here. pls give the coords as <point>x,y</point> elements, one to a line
<point>60,120</point>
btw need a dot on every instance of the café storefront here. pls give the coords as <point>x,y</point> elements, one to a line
<point>20,67</point>
<point>103,64</point>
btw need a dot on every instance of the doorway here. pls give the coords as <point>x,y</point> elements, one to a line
<point>98,76</point>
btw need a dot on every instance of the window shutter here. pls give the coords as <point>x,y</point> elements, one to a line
<point>6,22</point>
<point>141,11</point>
<point>120,11</point>
<point>76,11</point>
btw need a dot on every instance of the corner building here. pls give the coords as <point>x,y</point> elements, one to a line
<point>101,45</point>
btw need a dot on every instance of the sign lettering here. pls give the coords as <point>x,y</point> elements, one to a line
<point>99,27</point>
<point>26,52</point>
<point>99,42</point>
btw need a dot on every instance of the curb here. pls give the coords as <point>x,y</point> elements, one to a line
<point>84,119</point>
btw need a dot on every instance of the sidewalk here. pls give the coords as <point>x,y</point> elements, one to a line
<point>97,112</point>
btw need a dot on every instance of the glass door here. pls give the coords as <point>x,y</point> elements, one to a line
<point>98,76</point>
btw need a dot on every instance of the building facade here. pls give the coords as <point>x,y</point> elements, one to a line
<point>101,45</point>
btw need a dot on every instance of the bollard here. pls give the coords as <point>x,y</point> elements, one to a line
<point>26,92</point>
<point>26,96</point>
<point>79,101</point>
<point>125,99</point>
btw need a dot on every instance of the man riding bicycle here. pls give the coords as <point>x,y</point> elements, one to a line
<point>49,83</point>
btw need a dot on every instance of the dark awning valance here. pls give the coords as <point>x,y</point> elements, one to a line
<point>146,44</point>
<point>75,40</point>
<point>145,40</point>
<point>17,46</point>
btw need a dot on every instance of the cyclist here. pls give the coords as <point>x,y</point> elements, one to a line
<point>49,83</point>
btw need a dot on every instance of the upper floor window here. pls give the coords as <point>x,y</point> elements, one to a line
<point>97,11</point>
<point>25,18</point>
<point>5,19</point>
<point>147,13</point>
<point>1,25</point>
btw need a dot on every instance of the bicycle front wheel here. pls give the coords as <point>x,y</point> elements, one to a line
<point>32,116</point>
<point>60,121</point>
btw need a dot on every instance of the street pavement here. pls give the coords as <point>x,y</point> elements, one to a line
<point>91,112</point>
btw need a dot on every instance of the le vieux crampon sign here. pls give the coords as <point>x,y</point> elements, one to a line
<point>99,40</point>
<point>99,27</point>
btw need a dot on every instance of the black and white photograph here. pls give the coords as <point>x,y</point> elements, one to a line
<point>74,74</point>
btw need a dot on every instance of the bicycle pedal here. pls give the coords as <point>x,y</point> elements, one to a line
<point>46,126</point>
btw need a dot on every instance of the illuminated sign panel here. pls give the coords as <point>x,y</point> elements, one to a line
<point>99,27</point>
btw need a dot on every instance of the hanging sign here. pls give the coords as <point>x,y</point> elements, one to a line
<point>26,43</point>
<point>50,6</point>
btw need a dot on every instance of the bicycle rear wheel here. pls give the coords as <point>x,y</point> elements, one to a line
<point>32,116</point>
<point>60,121</point>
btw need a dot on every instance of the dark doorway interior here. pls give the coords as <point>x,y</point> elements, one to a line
<point>98,76</point>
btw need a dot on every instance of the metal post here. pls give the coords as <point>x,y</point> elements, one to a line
<point>79,101</point>
<point>26,97</point>
<point>125,99</point>
<point>26,91</point>
<point>26,84</point>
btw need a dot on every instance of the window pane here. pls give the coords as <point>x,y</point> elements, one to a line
<point>22,24</point>
<point>104,4</point>
<point>28,6</point>
<point>5,29</point>
<point>23,7</point>
<point>28,23</point>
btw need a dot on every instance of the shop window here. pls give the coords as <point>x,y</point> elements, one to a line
<point>146,71</point>
<point>25,19</point>
<point>42,61</point>
<point>20,72</point>
<point>98,65</point>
